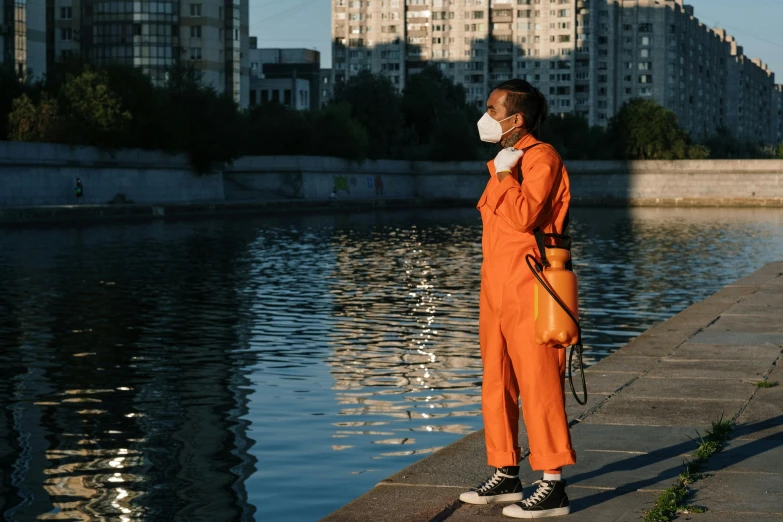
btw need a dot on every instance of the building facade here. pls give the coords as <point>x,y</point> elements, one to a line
<point>23,37</point>
<point>588,56</point>
<point>326,86</point>
<point>211,35</point>
<point>272,68</point>
<point>777,97</point>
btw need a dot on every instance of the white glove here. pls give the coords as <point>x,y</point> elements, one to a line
<point>507,159</point>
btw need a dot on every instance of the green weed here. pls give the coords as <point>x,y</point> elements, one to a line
<point>672,501</point>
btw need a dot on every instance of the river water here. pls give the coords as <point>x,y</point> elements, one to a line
<point>274,368</point>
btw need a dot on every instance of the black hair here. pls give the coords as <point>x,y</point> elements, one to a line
<point>525,99</point>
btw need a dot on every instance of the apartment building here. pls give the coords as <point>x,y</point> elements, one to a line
<point>23,37</point>
<point>777,103</point>
<point>588,56</point>
<point>212,35</point>
<point>326,86</point>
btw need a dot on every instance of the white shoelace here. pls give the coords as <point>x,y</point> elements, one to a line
<point>493,481</point>
<point>544,487</point>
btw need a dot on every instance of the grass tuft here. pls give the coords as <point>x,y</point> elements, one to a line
<point>672,501</point>
<point>766,384</point>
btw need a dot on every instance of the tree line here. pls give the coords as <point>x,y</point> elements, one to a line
<point>119,107</point>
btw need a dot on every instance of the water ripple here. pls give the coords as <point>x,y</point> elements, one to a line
<point>203,370</point>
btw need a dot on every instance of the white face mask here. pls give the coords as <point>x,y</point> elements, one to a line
<point>490,129</point>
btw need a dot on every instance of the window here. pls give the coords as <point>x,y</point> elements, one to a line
<point>66,34</point>
<point>644,53</point>
<point>287,97</point>
<point>195,31</point>
<point>645,78</point>
<point>276,96</point>
<point>645,66</point>
<point>252,97</point>
<point>645,40</point>
<point>264,96</point>
<point>645,28</point>
<point>66,13</point>
<point>195,9</point>
<point>195,53</point>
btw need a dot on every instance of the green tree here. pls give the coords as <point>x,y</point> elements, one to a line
<point>205,124</point>
<point>724,145</point>
<point>151,126</point>
<point>29,121</point>
<point>376,105</point>
<point>698,152</point>
<point>10,89</point>
<point>90,113</point>
<point>574,139</point>
<point>274,129</point>
<point>642,129</point>
<point>337,133</point>
<point>442,124</point>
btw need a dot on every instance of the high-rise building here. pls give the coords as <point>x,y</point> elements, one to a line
<point>326,86</point>
<point>23,37</point>
<point>155,35</point>
<point>588,56</point>
<point>778,104</point>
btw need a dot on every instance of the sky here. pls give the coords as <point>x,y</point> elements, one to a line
<point>307,23</point>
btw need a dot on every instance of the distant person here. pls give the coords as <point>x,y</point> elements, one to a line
<point>514,365</point>
<point>79,191</point>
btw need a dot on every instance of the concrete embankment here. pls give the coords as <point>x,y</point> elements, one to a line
<point>34,175</point>
<point>647,404</point>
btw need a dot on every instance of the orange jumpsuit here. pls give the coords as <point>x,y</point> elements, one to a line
<point>514,365</point>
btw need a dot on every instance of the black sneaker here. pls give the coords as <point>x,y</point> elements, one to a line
<point>502,486</point>
<point>549,500</point>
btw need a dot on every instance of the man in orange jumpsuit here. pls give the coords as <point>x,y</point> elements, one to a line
<point>514,365</point>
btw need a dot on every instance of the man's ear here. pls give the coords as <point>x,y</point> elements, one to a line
<point>519,121</point>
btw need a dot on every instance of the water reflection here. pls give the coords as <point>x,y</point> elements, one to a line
<point>123,390</point>
<point>204,370</point>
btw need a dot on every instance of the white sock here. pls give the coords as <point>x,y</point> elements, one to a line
<point>552,476</point>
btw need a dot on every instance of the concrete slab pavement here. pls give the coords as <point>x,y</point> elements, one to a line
<point>648,403</point>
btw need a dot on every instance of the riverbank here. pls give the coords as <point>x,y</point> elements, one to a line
<point>647,403</point>
<point>96,213</point>
<point>35,175</point>
<point>99,213</point>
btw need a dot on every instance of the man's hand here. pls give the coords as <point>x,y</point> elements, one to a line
<point>506,160</point>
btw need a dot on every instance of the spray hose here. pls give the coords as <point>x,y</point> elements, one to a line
<point>536,268</point>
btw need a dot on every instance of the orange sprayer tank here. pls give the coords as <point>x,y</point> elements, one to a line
<point>553,326</point>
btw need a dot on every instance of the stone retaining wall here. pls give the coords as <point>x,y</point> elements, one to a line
<point>37,174</point>
<point>34,174</point>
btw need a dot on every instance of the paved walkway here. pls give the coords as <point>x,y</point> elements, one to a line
<point>647,402</point>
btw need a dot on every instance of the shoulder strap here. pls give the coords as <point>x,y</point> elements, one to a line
<point>519,176</point>
<point>537,232</point>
